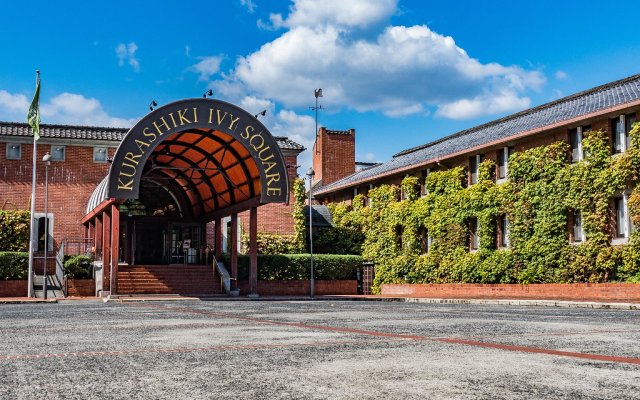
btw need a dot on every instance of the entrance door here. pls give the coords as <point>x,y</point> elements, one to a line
<point>150,243</point>
<point>185,244</point>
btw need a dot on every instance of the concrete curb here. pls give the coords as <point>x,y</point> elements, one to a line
<point>528,303</point>
<point>26,301</point>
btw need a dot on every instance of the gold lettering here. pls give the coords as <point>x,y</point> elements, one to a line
<point>149,134</point>
<point>233,122</point>
<point>273,178</point>
<point>164,123</point>
<point>132,157</point>
<point>246,132</point>
<point>219,118</point>
<point>125,185</point>
<point>141,144</point>
<point>256,148</point>
<point>173,120</point>
<point>195,115</point>
<point>183,120</point>
<point>273,191</point>
<point>261,157</point>
<point>270,165</point>
<point>211,115</point>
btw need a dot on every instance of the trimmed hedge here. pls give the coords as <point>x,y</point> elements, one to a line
<point>14,265</point>
<point>78,267</point>
<point>296,266</point>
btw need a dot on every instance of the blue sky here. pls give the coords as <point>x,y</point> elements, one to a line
<point>401,72</point>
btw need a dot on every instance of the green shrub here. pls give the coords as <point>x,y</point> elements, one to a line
<point>78,267</point>
<point>14,265</point>
<point>14,230</point>
<point>296,266</point>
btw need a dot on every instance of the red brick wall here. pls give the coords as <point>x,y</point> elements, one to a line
<point>615,292</point>
<point>301,288</point>
<point>81,287</point>
<point>13,288</point>
<point>71,183</point>
<point>334,156</point>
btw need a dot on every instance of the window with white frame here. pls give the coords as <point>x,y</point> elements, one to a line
<point>14,151</point>
<point>503,162</point>
<point>578,231</point>
<point>503,223</point>
<point>371,186</point>
<point>57,153</point>
<point>423,184</point>
<point>620,128</point>
<point>622,222</point>
<point>474,240</point>
<point>575,139</point>
<point>100,154</point>
<point>474,165</point>
<point>425,240</point>
<point>42,226</point>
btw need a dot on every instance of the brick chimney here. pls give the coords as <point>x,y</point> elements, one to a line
<point>334,155</point>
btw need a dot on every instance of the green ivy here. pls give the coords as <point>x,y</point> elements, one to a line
<point>542,189</point>
<point>14,230</point>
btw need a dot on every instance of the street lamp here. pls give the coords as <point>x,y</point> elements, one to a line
<point>310,174</point>
<point>317,93</point>
<point>47,163</point>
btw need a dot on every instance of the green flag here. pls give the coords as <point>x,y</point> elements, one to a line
<point>33,117</point>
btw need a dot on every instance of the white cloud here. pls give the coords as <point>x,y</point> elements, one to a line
<point>249,5</point>
<point>405,70</point>
<point>206,67</point>
<point>351,13</point>
<point>187,50</point>
<point>561,75</point>
<point>13,107</point>
<point>70,108</point>
<point>127,54</point>
<point>65,108</point>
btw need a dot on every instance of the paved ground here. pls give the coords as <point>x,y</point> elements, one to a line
<point>316,350</point>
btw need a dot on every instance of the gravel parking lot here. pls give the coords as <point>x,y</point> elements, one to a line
<point>315,350</point>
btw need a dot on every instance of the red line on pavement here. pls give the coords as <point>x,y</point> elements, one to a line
<point>466,342</point>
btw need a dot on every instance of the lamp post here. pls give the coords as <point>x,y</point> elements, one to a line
<point>317,93</point>
<point>47,163</point>
<point>310,174</point>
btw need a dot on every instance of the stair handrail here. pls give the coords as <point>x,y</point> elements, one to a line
<point>225,277</point>
<point>60,272</point>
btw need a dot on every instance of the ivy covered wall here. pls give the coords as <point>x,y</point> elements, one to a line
<point>543,190</point>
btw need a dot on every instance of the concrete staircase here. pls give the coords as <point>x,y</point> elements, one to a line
<point>54,288</point>
<point>192,280</point>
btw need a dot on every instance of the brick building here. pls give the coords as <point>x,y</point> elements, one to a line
<point>192,171</point>
<point>612,108</point>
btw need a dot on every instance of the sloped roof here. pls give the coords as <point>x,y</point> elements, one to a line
<point>568,108</point>
<point>321,216</point>
<point>77,132</point>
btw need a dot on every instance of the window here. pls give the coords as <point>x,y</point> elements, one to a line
<point>371,186</point>
<point>503,231</point>
<point>503,162</point>
<point>474,240</point>
<point>622,217</point>
<point>355,193</point>
<point>57,153</point>
<point>423,185</point>
<point>620,128</point>
<point>40,220</point>
<point>14,151</point>
<point>100,154</point>
<point>578,232</point>
<point>425,240</point>
<point>575,139</point>
<point>399,233</point>
<point>474,164</point>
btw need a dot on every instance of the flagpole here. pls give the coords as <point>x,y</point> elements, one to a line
<point>33,237</point>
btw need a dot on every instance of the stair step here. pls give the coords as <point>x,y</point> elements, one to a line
<point>179,279</point>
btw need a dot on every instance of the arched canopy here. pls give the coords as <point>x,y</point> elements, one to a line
<point>208,154</point>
